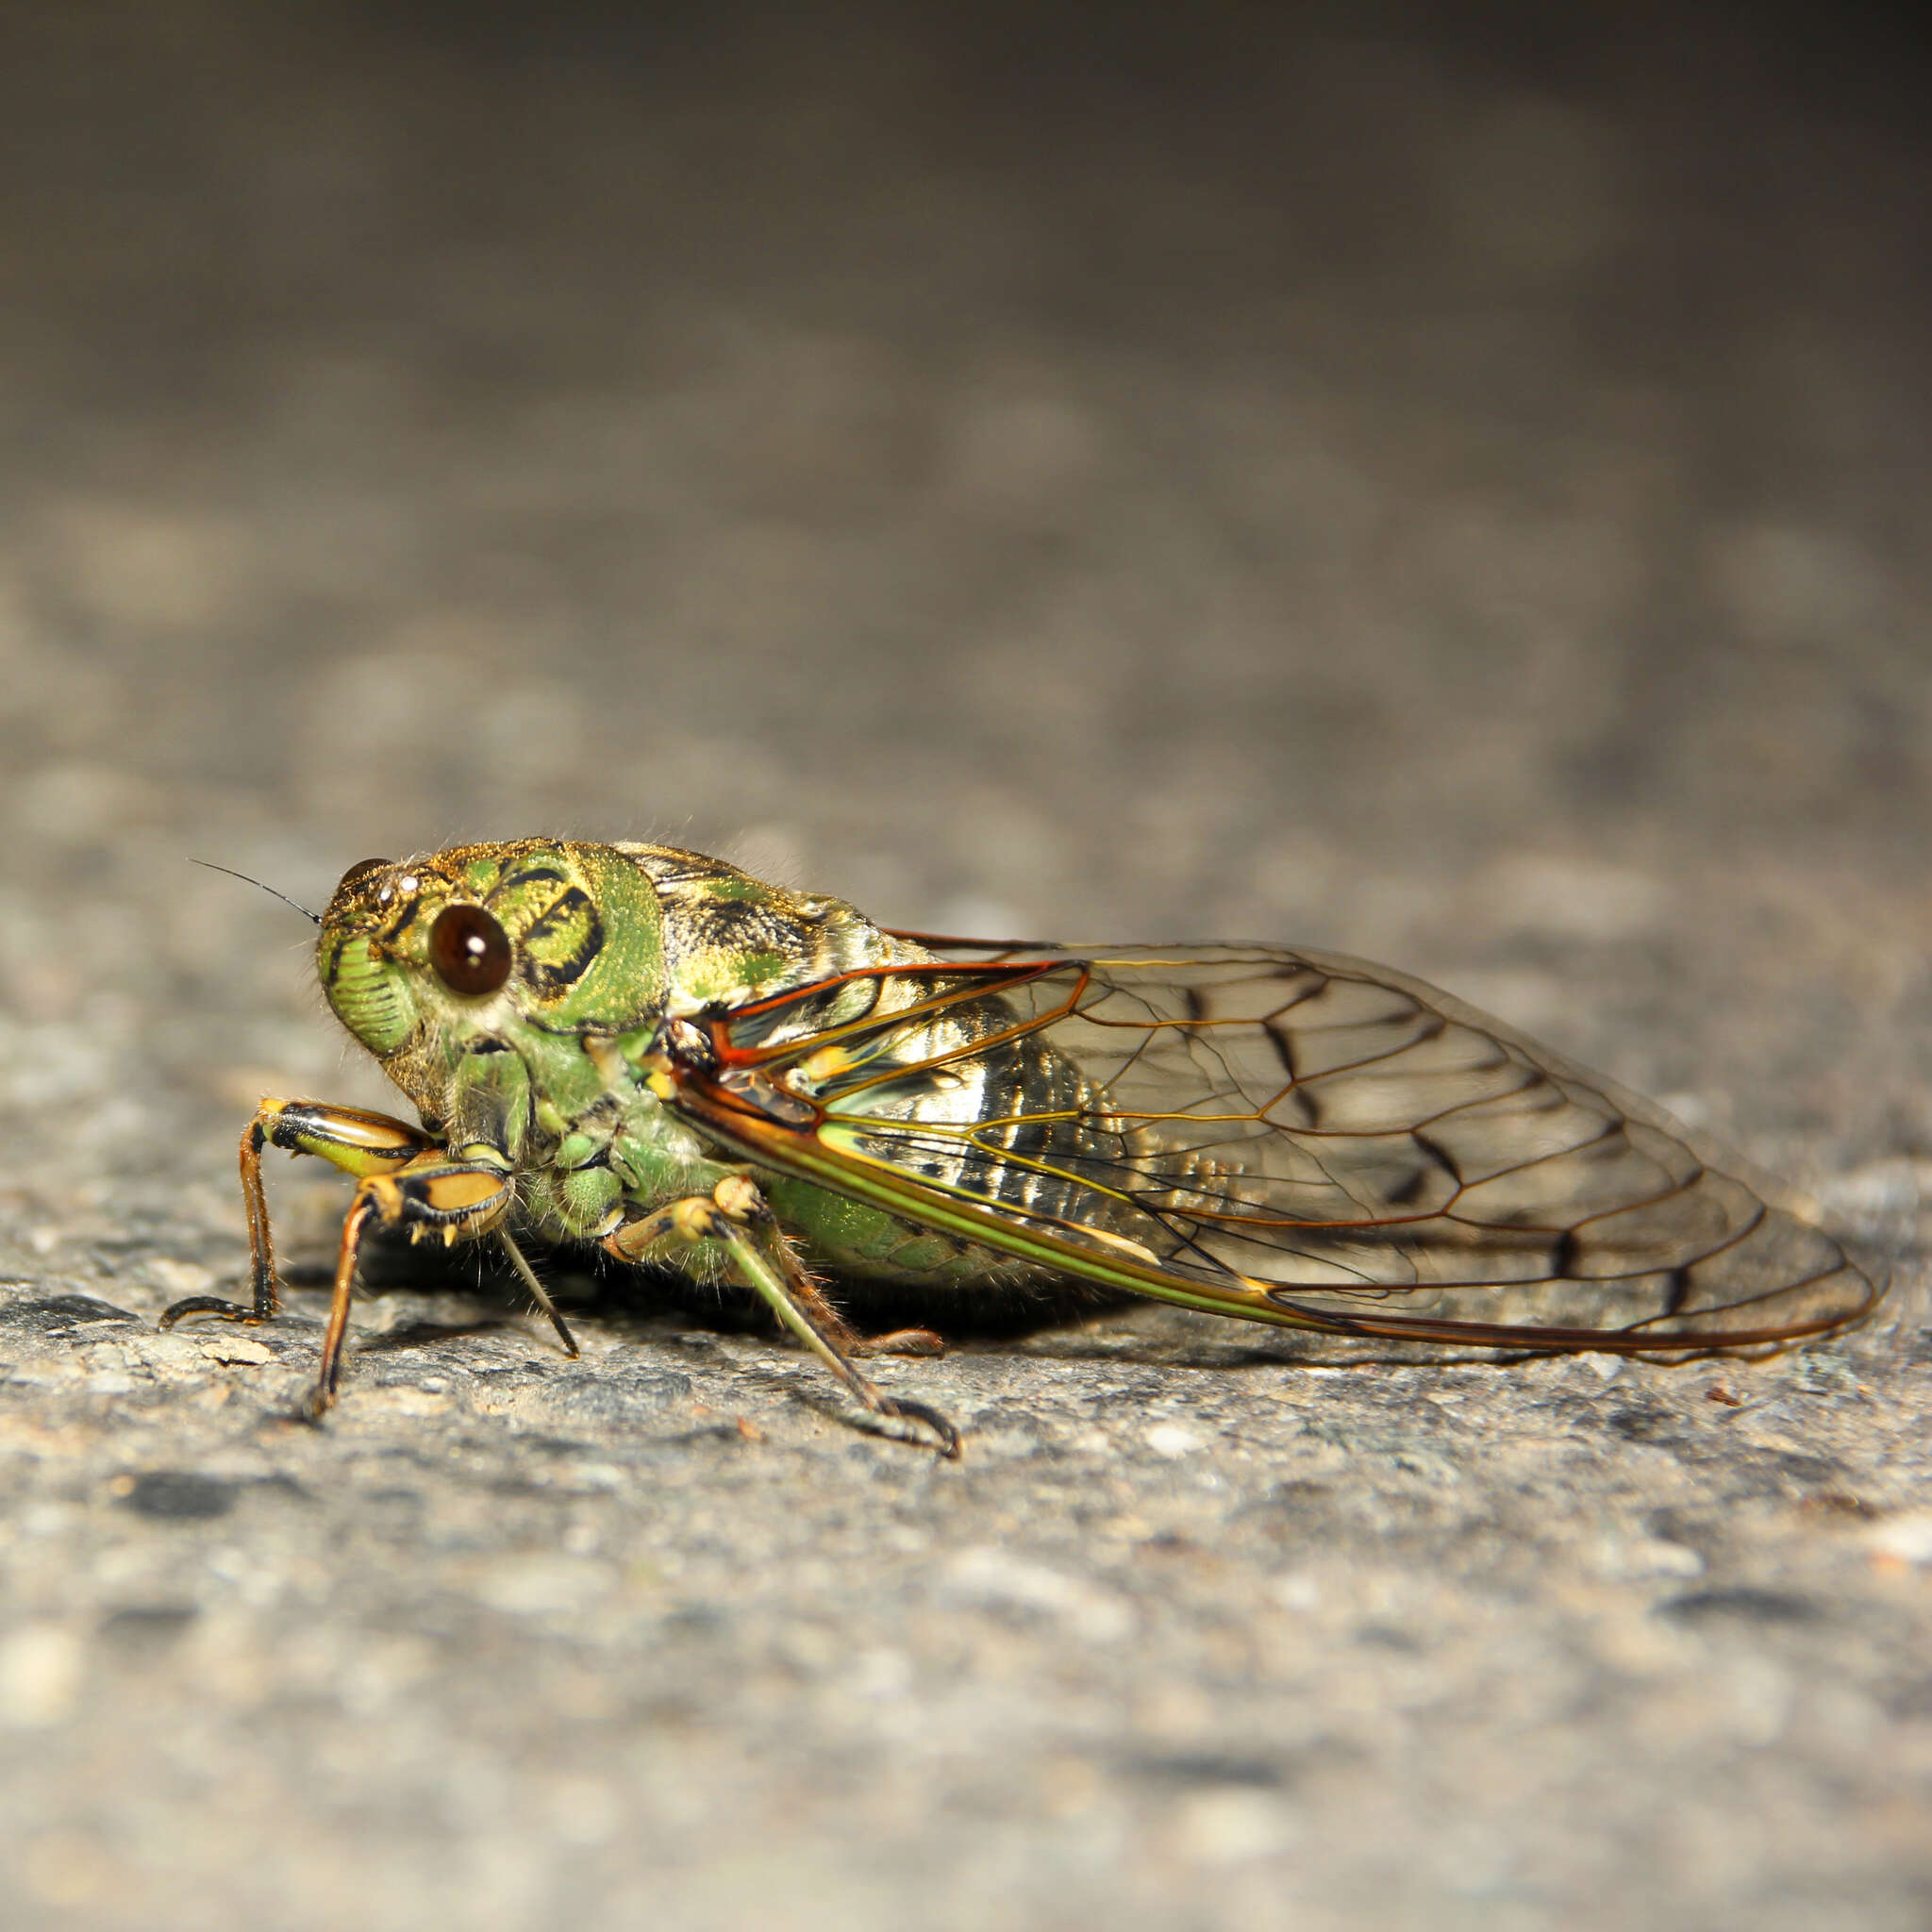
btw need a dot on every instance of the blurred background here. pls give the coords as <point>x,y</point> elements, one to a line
<point>1454,486</point>
<point>1451,489</point>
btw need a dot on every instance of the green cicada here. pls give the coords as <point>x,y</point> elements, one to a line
<point>651,1050</point>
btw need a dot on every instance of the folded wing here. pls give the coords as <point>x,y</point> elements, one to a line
<point>1285,1136</point>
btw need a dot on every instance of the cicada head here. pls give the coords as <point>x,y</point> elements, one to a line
<point>424,959</point>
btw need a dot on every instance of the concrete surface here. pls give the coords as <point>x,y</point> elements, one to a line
<point>1460,499</point>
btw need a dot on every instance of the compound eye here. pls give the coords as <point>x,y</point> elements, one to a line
<point>360,869</point>
<point>469,950</point>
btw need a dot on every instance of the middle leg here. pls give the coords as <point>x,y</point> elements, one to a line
<point>739,1220</point>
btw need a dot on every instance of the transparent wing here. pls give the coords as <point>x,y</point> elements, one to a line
<point>1289,1137</point>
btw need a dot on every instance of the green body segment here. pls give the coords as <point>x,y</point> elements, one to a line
<point>544,1073</point>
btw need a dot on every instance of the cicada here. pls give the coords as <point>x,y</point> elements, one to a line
<point>653,1051</point>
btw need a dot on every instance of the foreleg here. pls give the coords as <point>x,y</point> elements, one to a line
<point>407,1180</point>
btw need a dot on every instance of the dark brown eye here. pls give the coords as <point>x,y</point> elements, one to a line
<point>469,950</point>
<point>360,869</point>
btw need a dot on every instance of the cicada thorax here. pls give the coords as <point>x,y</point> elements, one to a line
<point>772,970</point>
<point>730,939</point>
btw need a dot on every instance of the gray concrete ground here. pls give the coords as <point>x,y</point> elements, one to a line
<point>1462,499</point>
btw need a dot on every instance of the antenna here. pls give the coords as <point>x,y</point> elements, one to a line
<point>208,865</point>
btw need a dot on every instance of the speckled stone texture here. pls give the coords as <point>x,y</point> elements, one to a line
<point>1455,497</point>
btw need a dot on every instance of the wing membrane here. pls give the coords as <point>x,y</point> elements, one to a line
<point>1290,1137</point>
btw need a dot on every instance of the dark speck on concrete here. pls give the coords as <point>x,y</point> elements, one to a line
<point>61,1314</point>
<point>180,1494</point>
<point>1747,1604</point>
<point>145,1628</point>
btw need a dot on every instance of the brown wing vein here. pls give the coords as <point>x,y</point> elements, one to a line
<point>1133,1104</point>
